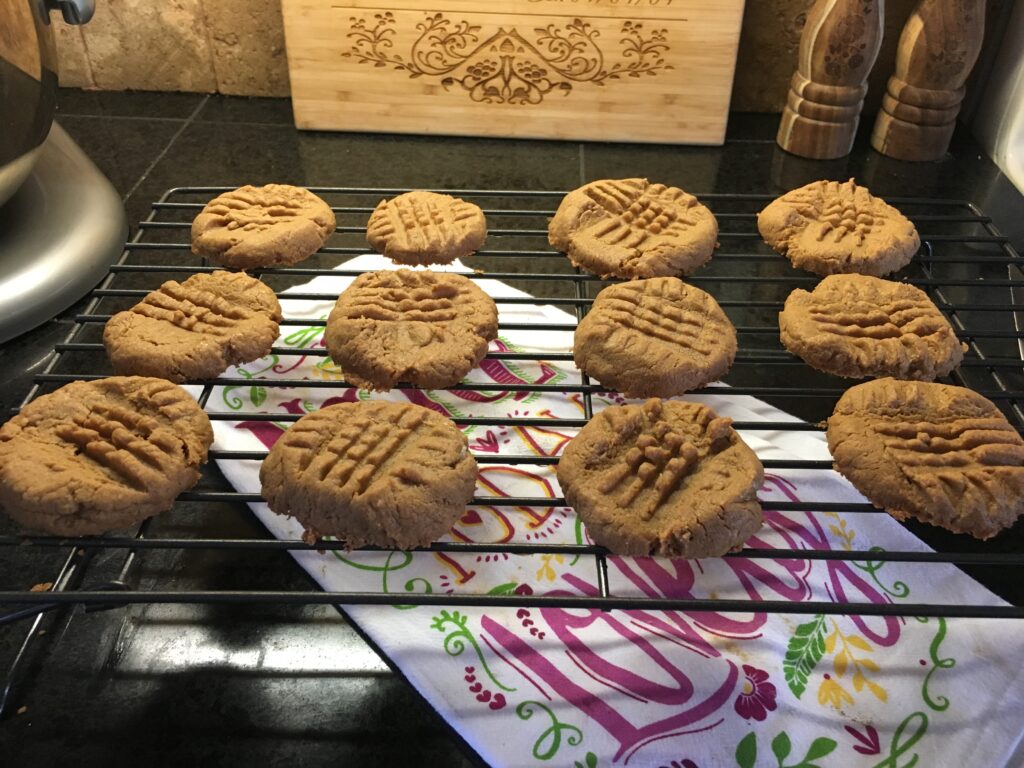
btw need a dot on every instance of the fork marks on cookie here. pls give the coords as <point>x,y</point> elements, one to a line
<point>679,317</point>
<point>120,441</point>
<point>426,228</point>
<point>635,214</point>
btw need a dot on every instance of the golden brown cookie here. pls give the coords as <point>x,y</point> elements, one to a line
<point>426,228</point>
<point>631,228</point>
<point>97,456</point>
<point>857,326</point>
<point>829,227</point>
<point>654,338</point>
<point>252,227</point>
<point>196,329</point>
<point>425,328</point>
<point>944,455</point>
<point>371,473</point>
<point>663,478</point>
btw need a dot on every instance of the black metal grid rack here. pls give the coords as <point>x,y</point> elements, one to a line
<point>969,270</point>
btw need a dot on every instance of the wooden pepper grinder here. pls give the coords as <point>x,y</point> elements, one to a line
<point>837,50</point>
<point>937,50</point>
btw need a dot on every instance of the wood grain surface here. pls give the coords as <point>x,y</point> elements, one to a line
<point>938,48</point>
<point>838,47</point>
<point>633,70</point>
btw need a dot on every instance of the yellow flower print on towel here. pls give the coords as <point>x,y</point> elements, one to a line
<point>844,649</point>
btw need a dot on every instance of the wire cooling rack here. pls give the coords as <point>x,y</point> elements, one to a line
<point>971,272</point>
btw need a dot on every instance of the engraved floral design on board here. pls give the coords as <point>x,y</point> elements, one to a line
<point>509,66</point>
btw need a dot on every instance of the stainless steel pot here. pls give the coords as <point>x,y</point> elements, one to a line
<point>28,82</point>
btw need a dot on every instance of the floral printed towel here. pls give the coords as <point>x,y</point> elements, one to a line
<point>589,688</point>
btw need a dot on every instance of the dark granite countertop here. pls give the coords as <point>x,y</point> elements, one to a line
<point>179,685</point>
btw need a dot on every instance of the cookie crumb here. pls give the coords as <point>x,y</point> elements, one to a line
<point>45,586</point>
<point>22,710</point>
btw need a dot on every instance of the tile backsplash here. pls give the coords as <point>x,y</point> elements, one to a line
<point>226,46</point>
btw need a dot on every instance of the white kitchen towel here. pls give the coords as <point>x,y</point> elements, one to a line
<point>587,688</point>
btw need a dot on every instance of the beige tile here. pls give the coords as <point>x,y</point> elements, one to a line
<point>248,46</point>
<point>153,46</point>
<point>72,61</point>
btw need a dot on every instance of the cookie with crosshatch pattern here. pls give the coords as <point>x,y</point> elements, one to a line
<point>654,338</point>
<point>422,327</point>
<point>857,326</point>
<point>828,227</point>
<point>631,228</point>
<point>944,455</point>
<point>392,475</point>
<point>252,227</point>
<point>421,227</point>
<point>195,329</point>
<point>664,478</point>
<point>97,456</point>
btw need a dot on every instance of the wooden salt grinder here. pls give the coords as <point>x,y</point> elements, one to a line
<point>937,50</point>
<point>837,50</point>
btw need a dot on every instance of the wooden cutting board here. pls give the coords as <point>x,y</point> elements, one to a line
<point>630,70</point>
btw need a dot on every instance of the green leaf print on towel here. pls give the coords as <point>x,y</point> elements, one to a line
<point>804,651</point>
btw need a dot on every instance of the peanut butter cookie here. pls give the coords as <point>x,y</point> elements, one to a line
<point>426,228</point>
<point>371,473</point>
<point>196,329</point>
<point>663,478</point>
<point>252,227</point>
<point>425,328</point>
<point>97,456</point>
<point>654,338</point>
<point>857,326</point>
<point>631,228</point>
<point>829,227</point>
<point>941,454</point>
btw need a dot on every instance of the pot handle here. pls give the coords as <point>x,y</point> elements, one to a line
<point>73,11</point>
